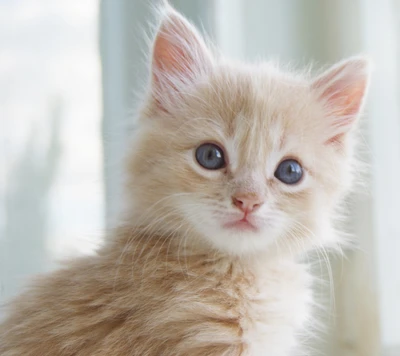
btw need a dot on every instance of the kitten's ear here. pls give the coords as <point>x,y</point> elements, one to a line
<point>342,90</point>
<point>180,56</point>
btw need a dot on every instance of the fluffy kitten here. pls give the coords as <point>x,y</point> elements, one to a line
<point>236,170</point>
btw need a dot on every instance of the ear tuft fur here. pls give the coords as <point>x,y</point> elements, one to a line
<point>180,56</point>
<point>342,89</point>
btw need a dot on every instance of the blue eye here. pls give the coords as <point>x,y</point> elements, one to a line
<point>289,172</point>
<point>210,156</point>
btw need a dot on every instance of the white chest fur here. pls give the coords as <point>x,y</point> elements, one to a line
<point>261,309</point>
<point>277,310</point>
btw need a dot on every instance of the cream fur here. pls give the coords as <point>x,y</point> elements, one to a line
<point>171,280</point>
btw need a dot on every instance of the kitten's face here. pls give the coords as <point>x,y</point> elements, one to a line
<point>246,158</point>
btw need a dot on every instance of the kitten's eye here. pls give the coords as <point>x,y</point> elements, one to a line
<point>210,156</point>
<point>289,171</point>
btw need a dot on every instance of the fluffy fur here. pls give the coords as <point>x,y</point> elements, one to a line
<point>171,279</point>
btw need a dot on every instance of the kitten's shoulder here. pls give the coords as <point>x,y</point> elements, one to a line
<point>61,312</point>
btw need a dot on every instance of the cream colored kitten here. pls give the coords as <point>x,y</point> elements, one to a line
<point>236,171</point>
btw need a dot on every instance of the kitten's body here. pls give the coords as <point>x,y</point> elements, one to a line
<point>196,305</point>
<point>193,270</point>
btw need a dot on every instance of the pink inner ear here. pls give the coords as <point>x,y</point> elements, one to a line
<point>179,56</point>
<point>166,65</point>
<point>169,56</point>
<point>345,99</point>
<point>342,89</point>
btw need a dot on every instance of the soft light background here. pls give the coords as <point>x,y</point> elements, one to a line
<point>51,185</point>
<point>68,73</point>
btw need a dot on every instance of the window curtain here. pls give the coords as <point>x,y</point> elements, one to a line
<point>51,201</point>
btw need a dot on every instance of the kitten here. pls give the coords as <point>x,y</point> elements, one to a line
<point>236,171</point>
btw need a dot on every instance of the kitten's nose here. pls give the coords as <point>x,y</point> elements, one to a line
<point>247,203</point>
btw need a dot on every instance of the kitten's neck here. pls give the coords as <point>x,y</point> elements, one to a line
<point>134,245</point>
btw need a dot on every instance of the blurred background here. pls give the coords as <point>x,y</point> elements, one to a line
<point>69,71</point>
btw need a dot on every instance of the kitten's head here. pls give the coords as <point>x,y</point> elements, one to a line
<point>245,157</point>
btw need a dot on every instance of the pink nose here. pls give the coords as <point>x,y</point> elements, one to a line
<point>247,203</point>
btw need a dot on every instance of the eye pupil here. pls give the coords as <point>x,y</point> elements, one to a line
<point>210,156</point>
<point>289,171</point>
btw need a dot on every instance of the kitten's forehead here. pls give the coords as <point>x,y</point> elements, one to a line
<point>255,137</point>
<point>259,113</point>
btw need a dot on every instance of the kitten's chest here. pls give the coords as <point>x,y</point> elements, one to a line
<point>271,307</point>
<point>275,311</point>
<point>244,312</point>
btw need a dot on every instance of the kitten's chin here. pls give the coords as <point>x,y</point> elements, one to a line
<point>235,235</point>
<point>242,225</point>
<point>239,238</point>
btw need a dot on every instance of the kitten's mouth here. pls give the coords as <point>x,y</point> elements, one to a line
<point>241,225</point>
